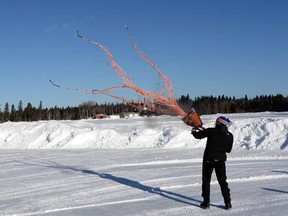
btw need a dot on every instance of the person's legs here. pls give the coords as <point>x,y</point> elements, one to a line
<point>220,169</point>
<point>207,169</point>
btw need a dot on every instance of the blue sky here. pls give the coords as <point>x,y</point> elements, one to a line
<point>230,47</point>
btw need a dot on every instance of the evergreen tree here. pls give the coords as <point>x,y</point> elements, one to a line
<point>28,112</point>
<point>1,116</point>
<point>13,113</point>
<point>19,113</point>
<point>6,112</point>
<point>40,110</point>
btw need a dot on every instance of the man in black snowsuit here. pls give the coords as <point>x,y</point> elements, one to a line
<point>219,141</point>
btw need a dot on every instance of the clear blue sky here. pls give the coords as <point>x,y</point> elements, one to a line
<point>206,47</point>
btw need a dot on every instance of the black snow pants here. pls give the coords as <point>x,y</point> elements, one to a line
<point>220,169</point>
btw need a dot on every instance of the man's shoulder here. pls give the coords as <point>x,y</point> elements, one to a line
<point>230,134</point>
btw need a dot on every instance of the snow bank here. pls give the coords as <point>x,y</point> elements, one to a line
<point>251,131</point>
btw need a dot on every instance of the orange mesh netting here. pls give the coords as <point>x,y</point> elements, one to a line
<point>163,101</point>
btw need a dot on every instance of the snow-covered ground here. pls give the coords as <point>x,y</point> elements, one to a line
<point>140,166</point>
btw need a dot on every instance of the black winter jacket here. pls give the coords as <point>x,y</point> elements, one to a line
<point>219,141</point>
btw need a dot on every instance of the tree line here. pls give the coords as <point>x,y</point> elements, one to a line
<point>203,105</point>
<point>224,104</point>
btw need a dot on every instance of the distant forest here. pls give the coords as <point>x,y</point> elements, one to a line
<point>203,105</point>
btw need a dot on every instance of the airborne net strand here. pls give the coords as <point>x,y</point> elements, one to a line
<point>163,102</point>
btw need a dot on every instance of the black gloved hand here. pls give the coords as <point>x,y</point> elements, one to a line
<point>194,129</point>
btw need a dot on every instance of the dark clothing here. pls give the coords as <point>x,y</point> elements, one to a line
<point>220,169</point>
<point>219,141</point>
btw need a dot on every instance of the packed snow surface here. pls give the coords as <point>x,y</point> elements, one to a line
<point>139,167</point>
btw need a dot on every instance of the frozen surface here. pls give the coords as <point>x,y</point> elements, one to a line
<point>140,166</point>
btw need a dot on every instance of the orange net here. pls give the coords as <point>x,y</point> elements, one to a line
<point>162,102</point>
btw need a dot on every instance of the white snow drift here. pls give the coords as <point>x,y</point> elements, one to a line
<point>251,131</point>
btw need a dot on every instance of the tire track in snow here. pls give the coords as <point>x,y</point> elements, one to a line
<point>239,208</point>
<point>196,160</point>
<point>79,207</point>
<point>233,180</point>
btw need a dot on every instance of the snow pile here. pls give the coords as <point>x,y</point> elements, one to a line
<point>251,131</point>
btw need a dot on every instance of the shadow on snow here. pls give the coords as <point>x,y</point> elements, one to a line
<point>128,182</point>
<point>275,190</point>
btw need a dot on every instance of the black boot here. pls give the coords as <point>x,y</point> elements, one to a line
<point>205,205</point>
<point>228,205</point>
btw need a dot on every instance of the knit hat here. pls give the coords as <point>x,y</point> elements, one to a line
<point>223,120</point>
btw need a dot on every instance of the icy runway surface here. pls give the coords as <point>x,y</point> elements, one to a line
<point>139,167</point>
<point>137,182</point>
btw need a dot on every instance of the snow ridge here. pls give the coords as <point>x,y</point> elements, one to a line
<point>267,130</point>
